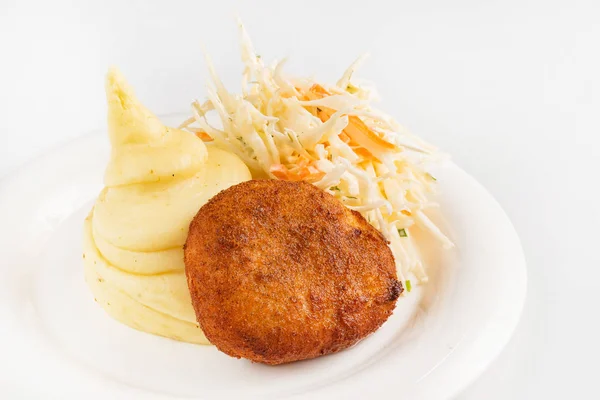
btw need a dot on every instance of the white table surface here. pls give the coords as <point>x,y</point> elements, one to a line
<point>511,89</point>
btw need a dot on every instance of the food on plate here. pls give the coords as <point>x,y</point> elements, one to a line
<point>282,271</point>
<point>300,129</point>
<point>155,182</point>
<point>306,259</point>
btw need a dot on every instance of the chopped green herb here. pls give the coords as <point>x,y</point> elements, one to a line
<point>334,188</point>
<point>427,174</point>
<point>351,88</point>
<point>351,197</point>
<point>408,285</point>
<point>402,232</point>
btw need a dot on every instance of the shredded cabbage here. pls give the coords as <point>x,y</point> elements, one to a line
<point>331,136</point>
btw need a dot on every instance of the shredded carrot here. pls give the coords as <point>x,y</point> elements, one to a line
<point>356,131</point>
<point>201,134</point>
<point>345,138</point>
<point>318,89</point>
<point>280,172</point>
<point>363,129</point>
<point>364,153</point>
<point>306,172</point>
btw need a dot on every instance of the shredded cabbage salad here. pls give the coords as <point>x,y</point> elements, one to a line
<point>329,135</point>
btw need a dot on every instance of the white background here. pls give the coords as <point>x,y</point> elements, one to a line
<point>511,89</point>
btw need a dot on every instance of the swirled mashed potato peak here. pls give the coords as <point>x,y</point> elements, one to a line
<point>155,182</point>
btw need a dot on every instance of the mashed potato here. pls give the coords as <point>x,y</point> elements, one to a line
<point>156,181</point>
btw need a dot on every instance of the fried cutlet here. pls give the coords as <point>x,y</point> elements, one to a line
<point>282,271</point>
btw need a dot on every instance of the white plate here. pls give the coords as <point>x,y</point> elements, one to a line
<point>57,343</point>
